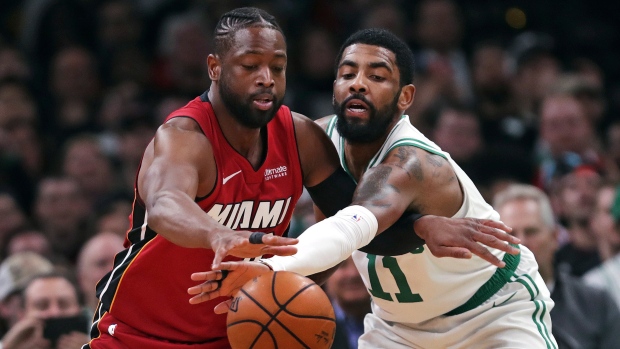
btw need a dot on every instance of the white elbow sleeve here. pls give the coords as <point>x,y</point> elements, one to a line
<point>329,242</point>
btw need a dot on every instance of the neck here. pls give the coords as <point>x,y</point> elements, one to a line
<point>358,155</point>
<point>246,141</point>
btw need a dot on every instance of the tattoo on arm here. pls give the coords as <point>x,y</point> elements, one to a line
<point>408,161</point>
<point>434,160</point>
<point>372,189</point>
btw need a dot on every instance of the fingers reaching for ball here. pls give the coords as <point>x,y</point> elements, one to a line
<point>224,282</point>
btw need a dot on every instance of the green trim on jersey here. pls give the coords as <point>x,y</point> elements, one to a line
<point>343,160</point>
<point>500,278</point>
<point>414,143</point>
<point>539,321</point>
<point>331,125</point>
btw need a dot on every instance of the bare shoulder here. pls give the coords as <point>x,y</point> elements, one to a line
<point>180,145</point>
<point>324,121</point>
<point>430,175</point>
<point>302,123</point>
<point>419,164</point>
<point>181,124</point>
<point>316,152</point>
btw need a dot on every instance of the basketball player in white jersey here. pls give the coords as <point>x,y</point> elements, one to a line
<point>418,300</point>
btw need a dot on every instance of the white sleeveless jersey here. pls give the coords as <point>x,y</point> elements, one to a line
<point>417,286</point>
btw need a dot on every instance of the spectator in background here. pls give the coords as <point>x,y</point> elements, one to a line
<point>51,25</point>
<point>11,216</point>
<point>588,91</point>
<point>457,132</point>
<point>96,259</point>
<point>27,239</point>
<point>583,317</point>
<point>312,92</point>
<point>607,275</point>
<point>574,199</point>
<point>22,160</point>
<point>495,103</point>
<point>121,45</point>
<point>15,272</point>
<point>602,222</point>
<point>181,67</point>
<point>13,64</point>
<point>74,86</point>
<point>442,65</point>
<point>134,136</point>
<point>51,295</point>
<point>612,153</point>
<point>491,167</point>
<point>387,15</point>
<point>61,212</point>
<point>85,162</point>
<point>351,303</point>
<point>113,215</point>
<point>536,68</point>
<point>567,138</point>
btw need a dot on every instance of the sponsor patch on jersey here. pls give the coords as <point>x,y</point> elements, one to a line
<point>272,173</point>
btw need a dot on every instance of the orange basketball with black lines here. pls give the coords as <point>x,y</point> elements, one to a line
<point>281,310</point>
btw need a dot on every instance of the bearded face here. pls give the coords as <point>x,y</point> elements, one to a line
<point>357,131</point>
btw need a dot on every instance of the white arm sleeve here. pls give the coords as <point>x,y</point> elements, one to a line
<point>329,242</point>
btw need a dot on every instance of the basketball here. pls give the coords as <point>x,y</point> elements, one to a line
<point>281,310</point>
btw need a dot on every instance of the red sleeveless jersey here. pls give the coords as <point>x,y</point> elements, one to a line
<point>147,290</point>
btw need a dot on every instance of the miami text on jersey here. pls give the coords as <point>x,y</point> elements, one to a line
<point>242,215</point>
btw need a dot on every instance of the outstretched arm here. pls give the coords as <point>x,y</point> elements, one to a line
<point>178,166</point>
<point>408,179</point>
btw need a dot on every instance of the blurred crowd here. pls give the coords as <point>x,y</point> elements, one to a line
<point>517,92</point>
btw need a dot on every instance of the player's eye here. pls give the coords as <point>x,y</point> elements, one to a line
<point>249,66</point>
<point>377,78</point>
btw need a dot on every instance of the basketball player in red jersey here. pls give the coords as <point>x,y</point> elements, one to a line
<point>220,174</point>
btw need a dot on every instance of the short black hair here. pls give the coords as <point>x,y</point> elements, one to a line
<point>384,38</point>
<point>240,18</point>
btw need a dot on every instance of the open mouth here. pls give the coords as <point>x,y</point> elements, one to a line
<point>263,101</point>
<point>356,107</point>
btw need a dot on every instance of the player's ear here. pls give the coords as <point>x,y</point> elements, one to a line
<point>406,97</point>
<point>214,67</point>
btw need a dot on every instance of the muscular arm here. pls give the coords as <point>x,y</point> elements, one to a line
<point>409,179</point>
<point>177,164</point>
<point>458,236</point>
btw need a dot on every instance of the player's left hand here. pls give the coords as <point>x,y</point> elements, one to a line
<point>460,237</point>
<point>246,244</point>
<point>224,282</point>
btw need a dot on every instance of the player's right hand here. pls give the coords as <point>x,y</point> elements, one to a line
<point>224,282</point>
<point>238,244</point>
<point>464,237</point>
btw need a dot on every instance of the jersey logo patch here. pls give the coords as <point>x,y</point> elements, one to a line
<point>226,179</point>
<point>277,172</point>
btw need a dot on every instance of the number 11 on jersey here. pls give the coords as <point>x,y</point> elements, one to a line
<point>404,295</point>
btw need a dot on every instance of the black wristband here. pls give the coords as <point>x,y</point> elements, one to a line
<point>257,238</point>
